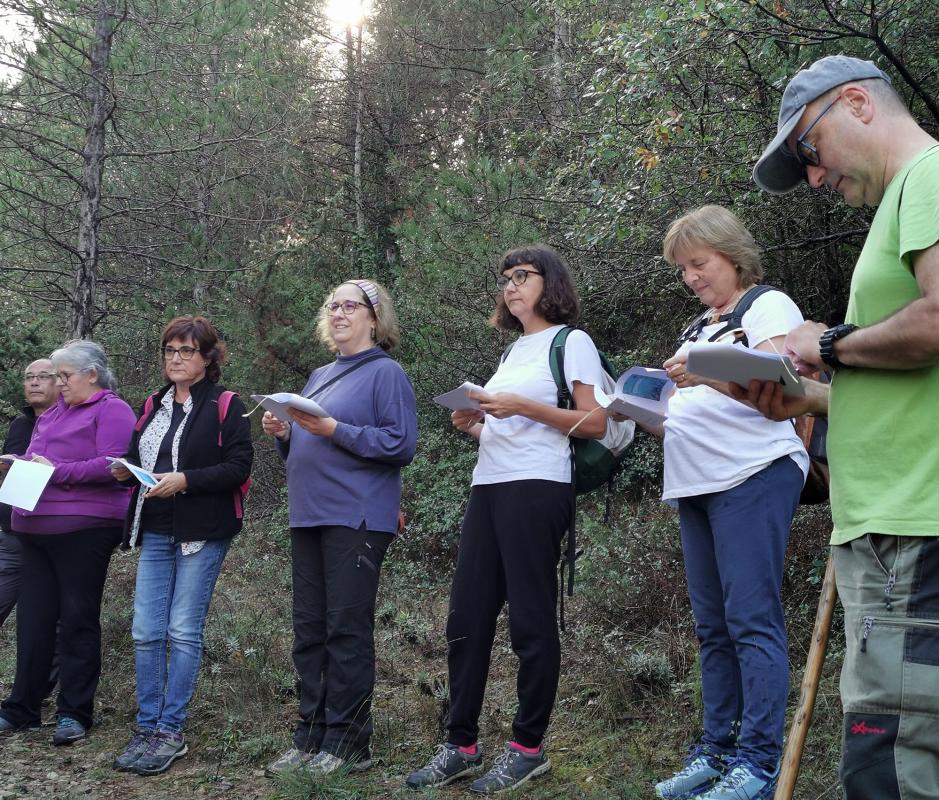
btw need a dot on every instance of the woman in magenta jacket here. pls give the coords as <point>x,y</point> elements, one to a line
<point>67,543</point>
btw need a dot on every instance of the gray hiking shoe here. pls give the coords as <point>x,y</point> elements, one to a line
<point>511,769</point>
<point>293,759</point>
<point>163,748</point>
<point>743,781</point>
<point>701,771</point>
<point>324,763</point>
<point>447,764</point>
<point>136,747</point>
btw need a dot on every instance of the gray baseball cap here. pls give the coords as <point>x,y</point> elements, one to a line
<point>778,171</point>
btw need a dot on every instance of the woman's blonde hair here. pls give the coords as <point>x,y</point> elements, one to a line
<point>720,229</point>
<point>386,333</point>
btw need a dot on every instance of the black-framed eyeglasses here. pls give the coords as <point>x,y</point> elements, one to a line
<point>185,352</point>
<point>806,153</point>
<point>517,276</point>
<point>29,377</point>
<point>348,306</point>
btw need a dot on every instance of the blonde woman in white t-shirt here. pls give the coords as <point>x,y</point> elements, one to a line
<point>735,477</point>
<point>518,511</point>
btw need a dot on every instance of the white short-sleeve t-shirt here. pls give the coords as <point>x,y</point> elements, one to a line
<point>518,448</point>
<point>712,442</point>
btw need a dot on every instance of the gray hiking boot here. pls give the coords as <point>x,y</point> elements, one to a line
<point>293,759</point>
<point>701,771</point>
<point>743,781</point>
<point>324,763</point>
<point>447,764</point>
<point>136,747</point>
<point>511,769</point>
<point>163,748</point>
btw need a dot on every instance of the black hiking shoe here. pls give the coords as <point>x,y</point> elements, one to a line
<point>511,770</point>
<point>447,764</point>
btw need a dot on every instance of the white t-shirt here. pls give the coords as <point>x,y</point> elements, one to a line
<point>518,448</point>
<point>712,442</point>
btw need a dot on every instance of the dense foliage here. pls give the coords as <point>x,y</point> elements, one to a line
<point>254,155</point>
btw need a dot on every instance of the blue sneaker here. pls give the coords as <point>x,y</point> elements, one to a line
<point>68,730</point>
<point>743,781</point>
<point>701,771</point>
<point>7,728</point>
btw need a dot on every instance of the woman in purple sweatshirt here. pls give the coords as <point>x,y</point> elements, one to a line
<point>344,490</point>
<point>67,543</point>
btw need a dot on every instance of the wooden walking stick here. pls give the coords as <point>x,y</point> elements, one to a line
<point>792,757</point>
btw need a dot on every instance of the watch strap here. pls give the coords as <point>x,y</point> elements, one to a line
<point>826,344</point>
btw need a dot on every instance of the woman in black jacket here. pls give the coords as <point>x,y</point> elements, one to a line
<point>192,436</point>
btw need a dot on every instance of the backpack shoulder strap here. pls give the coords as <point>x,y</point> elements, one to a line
<point>224,401</point>
<point>343,374</point>
<point>147,411</point>
<point>556,363</point>
<point>733,319</point>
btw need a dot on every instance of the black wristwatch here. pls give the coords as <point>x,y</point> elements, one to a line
<point>826,344</point>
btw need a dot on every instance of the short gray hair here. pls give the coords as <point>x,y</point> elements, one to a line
<point>85,355</point>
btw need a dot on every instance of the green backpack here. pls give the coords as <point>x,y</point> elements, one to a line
<point>594,462</point>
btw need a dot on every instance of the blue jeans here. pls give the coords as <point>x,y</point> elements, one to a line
<point>170,605</point>
<point>734,545</point>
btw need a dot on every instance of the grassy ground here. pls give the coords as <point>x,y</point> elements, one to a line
<point>627,706</point>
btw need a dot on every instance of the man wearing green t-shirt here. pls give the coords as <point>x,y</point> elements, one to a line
<point>842,125</point>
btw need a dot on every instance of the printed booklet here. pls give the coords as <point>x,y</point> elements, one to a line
<point>740,365</point>
<point>641,394</point>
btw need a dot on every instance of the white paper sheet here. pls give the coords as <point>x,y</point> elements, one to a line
<point>278,404</point>
<point>24,483</point>
<point>458,399</point>
<point>146,478</point>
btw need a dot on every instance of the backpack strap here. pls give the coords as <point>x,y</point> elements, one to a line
<point>147,411</point>
<point>353,368</point>
<point>556,363</point>
<point>224,401</point>
<point>732,320</point>
<point>238,496</point>
<point>565,400</point>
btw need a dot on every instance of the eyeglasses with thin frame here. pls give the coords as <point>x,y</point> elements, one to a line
<point>517,276</point>
<point>806,153</point>
<point>348,306</point>
<point>65,377</point>
<point>41,377</point>
<point>185,352</point>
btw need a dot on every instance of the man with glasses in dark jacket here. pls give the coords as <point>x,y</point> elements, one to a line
<point>41,391</point>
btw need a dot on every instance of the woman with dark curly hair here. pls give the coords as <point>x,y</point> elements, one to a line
<point>192,434</point>
<point>519,509</point>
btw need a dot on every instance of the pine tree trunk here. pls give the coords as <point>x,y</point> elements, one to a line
<point>84,291</point>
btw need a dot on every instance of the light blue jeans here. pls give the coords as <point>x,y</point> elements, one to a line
<point>170,605</point>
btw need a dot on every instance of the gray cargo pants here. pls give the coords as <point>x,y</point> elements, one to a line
<point>889,587</point>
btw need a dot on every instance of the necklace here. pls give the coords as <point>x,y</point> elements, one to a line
<point>717,312</point>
